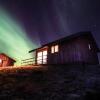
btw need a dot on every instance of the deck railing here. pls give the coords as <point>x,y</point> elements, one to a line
<point>29,61</point>
<point>39,60</point>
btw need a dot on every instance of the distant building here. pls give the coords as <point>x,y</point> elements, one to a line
<point>79,48</point>
<point>5,60</point>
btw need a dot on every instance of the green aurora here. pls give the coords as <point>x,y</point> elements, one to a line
<point>13,39</point>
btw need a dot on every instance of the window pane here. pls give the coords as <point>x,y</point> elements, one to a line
<point>39,58</point>
<point>89,47</point>
<point>52,49</point>
<point>39,54</point>
<point>44,61</point>
<point>56,48</point>
<point>45,52</point>
<point>39,61</point>
<point>0,61</point>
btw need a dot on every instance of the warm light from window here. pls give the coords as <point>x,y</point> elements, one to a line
<point>0,61</point>
<point>56,48</point>
<point>45,57</point>
<point>52,49</point>
<point>39,58</point>
<point>89,47</point>
<point>42,57</point>
<point>39,54</point>
<point>45,52</point>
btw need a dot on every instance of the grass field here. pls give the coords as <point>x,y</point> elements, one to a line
<point>56,83</point>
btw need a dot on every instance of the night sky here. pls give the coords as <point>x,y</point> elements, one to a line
<point>47,20</point>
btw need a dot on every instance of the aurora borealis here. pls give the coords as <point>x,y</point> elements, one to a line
<point>38,22</point>
<point>13,39</point>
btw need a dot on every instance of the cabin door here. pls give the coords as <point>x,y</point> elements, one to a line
<point>42,57</point>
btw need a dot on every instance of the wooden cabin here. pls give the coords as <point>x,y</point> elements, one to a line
<point>79,48</point>
<point>6,61</point>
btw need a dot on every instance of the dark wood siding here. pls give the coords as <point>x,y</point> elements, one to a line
<point>74,51</point>
<point>6,61</point>
<point>79,48</point>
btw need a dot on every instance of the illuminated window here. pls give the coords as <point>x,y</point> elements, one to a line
<point>89,47</point>
<point>39,54</point>
<point>54,49</point>
<point>42,57</point>
<point>44,53</point>
<point>39,58</point>
<point>0,61</point>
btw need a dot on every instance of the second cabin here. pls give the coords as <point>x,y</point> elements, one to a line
<point>79,48</point>
<point>6,60</point>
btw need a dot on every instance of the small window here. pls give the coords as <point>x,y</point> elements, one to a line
<point>54,48</point>
<point>39,58</point>
<point>44,53</point>
<point>0,61</point>
<point>89,47</point>
<point>39,54</point>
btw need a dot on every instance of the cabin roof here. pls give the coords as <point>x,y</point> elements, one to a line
<point>70,37</point>
<point>7,56</point>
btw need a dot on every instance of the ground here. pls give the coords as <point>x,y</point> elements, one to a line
<point>63,82</point>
